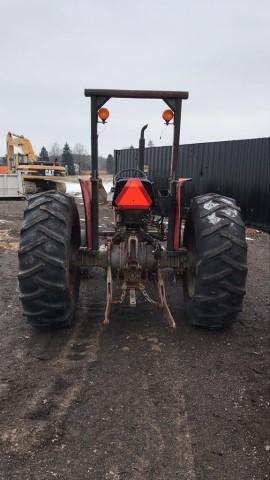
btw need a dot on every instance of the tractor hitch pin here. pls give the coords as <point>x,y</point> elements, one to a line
<point>162,303</point>
<point>132,297</point>
<point>134,284</point>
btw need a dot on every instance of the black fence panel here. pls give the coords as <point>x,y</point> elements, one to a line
<point>236,168</point>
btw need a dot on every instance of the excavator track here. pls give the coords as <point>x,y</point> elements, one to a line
<point>32,187</point>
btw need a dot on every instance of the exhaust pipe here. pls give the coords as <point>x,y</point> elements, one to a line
<point>142,149</point>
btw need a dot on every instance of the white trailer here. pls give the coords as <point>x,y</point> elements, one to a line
<point>11,185</point>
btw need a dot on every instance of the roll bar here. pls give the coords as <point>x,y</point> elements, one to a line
<point>98,98</point>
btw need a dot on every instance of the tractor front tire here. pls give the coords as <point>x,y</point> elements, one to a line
<point>214,281</point>
<point>49,274</point>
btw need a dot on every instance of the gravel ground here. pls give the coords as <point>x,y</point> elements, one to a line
<point>133,401</point>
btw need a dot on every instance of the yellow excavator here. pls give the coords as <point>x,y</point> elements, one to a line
<point>14,160</point>
<point>35,175</point>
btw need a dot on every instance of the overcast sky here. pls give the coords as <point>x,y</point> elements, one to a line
<point>50,50</point>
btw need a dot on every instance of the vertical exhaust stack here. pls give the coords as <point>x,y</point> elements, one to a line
<point>142,149</point>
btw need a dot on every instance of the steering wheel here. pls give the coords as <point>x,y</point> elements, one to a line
<point>126,173</point>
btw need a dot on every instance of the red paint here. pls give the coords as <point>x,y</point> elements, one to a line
<point>4,169</point>
<point>86,188</point>
<point>177,227</point>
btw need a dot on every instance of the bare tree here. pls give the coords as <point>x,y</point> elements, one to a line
<point>79,153</point>
<point>79,149</point>
<point>55,150</point>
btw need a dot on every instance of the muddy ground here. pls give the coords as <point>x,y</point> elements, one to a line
<point>133,401</point>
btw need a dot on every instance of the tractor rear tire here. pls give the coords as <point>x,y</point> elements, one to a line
<point>214,282</point>
<point>49,274</point>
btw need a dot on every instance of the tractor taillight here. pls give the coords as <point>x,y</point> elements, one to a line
<point>133,196</point>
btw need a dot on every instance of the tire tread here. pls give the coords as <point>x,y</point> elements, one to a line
<point>221,261</point>
<point>45,244</point>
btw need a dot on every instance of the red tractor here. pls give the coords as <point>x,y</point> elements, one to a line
<point>210,255</point>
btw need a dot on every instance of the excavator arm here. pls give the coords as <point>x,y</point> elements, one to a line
<point>14,140</point>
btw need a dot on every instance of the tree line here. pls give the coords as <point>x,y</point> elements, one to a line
<point>76,160</point>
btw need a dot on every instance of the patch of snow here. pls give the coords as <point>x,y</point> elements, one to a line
<point>213,219</point>
<point>209,205</point>
<point>248,238</point>
<point>109,196</point>
<point>107,185</point>
<point>73,188</point>
<point>231,211</point>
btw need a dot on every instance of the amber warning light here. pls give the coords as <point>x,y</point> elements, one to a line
<point>167,115</point>
<point>133,196</point>
<point>103,114</point>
